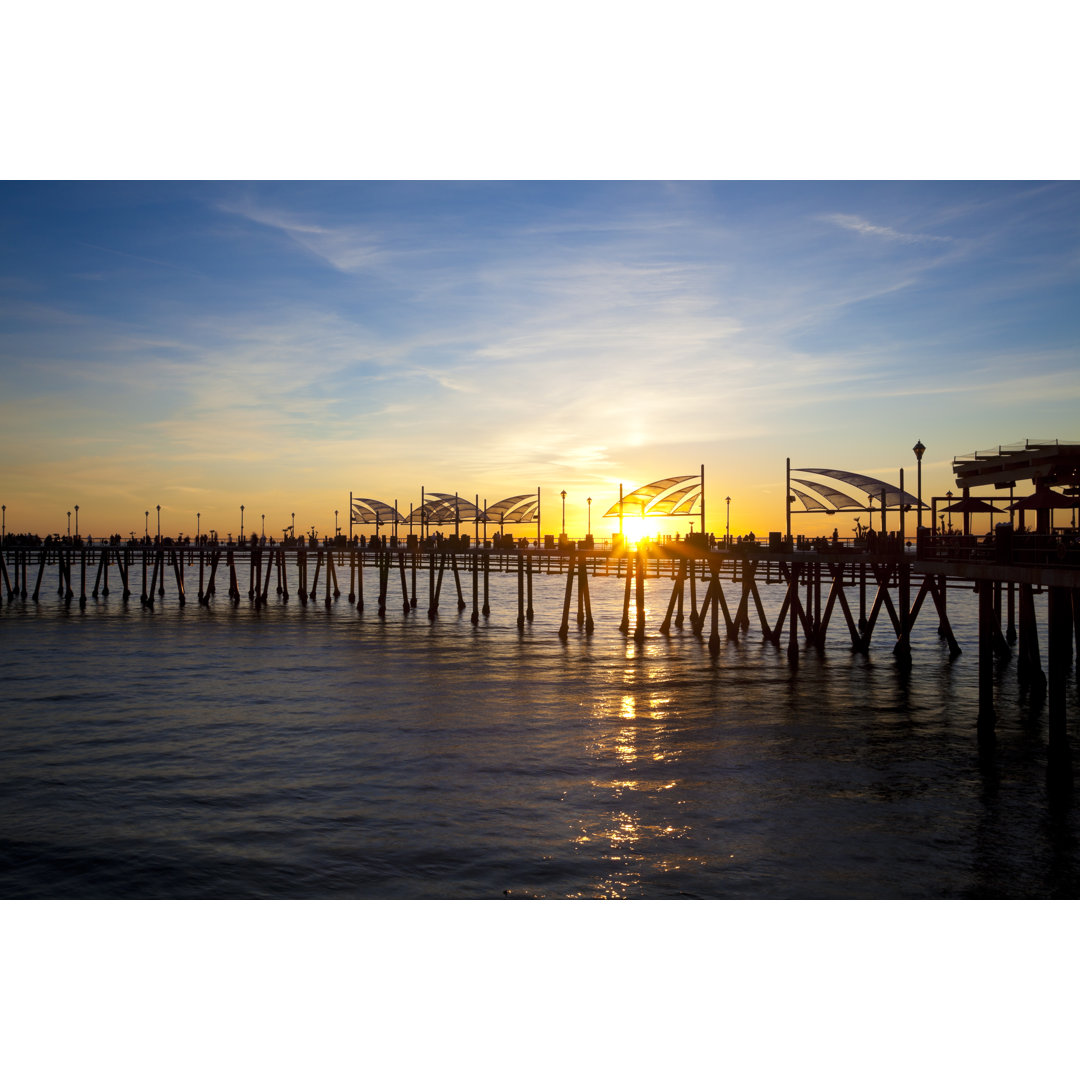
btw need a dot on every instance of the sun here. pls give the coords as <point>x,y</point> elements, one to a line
<point>638,529</point>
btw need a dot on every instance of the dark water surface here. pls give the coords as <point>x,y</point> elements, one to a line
<point>316,752</point>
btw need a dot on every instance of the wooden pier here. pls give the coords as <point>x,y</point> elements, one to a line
<point>879,592</point>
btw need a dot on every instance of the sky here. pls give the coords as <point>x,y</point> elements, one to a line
<point>202,346</point>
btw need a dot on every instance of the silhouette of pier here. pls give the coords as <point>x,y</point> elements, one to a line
<point>872,591</point>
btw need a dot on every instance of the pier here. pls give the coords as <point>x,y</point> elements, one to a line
<point>874,592</point>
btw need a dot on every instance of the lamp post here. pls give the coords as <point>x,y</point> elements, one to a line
<point>918,450</point>
<point>69,524</point>
<point>948,495</point>
<point>589,501</point>
<point>727,499</point>
<point>159,522</point>
<point>241,523</point>
<point>198,527</point>
<point>3,526</point>
<point>146,528</point>
<point>563,494</point>
<point>262,531</point>
<point>293,529</point>
<point>76,519</point>
<point>336,530</point>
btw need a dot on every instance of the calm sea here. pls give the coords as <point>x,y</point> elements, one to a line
<point>314,751</point>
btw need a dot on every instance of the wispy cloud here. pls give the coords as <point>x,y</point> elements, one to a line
<point>345,248</point>
<point>856,224</point>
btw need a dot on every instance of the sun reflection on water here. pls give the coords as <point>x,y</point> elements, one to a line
<point>633,746</point>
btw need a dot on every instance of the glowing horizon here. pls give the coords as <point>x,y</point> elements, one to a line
<point>203,346</point>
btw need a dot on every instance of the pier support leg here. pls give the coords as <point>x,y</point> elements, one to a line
<point>987,718</point>
<point>676,594</point>
<point>639,594</point>
<point>583,591</point>
<point>529,613</point>
<point>564,626</point>
<point>624,624</point>
<point>474,618</point>
<point>457,582</point>
<point>1028,660</point>
<point>793,618</point>
<point>1059,650</point>
<point>902,648</point>
<point>521,592</point>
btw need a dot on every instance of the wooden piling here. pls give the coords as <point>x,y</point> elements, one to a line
<point>1028,658</point>
<point>624,624</point>
<point>1059,659</point>
<point>583,590</point>
<point>986,717</point>
<point>474,618</point>
<point>102,563</point>
<point>676,594</point>
<point>457,581</point>
<point>564,626</point>
<point>41,571</point>
<point>6,580</point>
<point>406,604</point>
<point>486,608</point>
<point>639,593</point>
<point>178,569</point>
<point>521,591</point>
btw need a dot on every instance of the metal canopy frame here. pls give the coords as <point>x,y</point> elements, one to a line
<point>675,496</point>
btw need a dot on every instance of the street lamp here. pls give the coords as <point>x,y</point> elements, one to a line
<point>159,522</point>
<point>198,527</point>
<point>3,526</point>
<point>293,530</point>
<point>563,493</point>
<point>336,530</point>
<point>263,532</point>
<point>241,523</point>
<point>727,499</point>
<point>146,530</point>
<point>76,519</point>
<point>948,495</point>
<point>69,524</point>
<point>918,450</point>
<point>589,501</point>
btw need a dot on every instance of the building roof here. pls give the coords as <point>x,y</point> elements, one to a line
<point>1048,463</point>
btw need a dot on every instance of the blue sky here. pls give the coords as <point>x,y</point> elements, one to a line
<point>280,344</point>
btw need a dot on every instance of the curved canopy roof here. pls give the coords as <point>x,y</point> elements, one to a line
<point>517,509</point>
<point>673,497</point>
<point>440,507</point>
<point>873,487</point>
<point>366,511</point>
<point>840,500</point>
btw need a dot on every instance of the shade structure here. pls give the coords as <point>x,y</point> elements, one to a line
<point>368,511</point>
<point>874,488</point>
<point>672,497</point>
<point>1044,499</point>
<point>967,506</point>
<point>970,505</point>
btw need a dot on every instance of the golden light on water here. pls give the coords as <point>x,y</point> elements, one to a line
<point>636,762</point>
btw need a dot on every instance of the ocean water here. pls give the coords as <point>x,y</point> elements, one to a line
<point>235,751</point>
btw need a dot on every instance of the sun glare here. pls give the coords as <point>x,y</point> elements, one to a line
<point>637,529</point>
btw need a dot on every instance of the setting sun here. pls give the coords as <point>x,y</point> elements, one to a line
<point>638,529</point>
